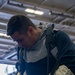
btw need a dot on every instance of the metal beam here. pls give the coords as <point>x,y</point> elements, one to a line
<point>61,22</point>
<point>56,18</point>
<point>44,6</point>
<point>9,62</point>
<point>5,51</point>
<point>3,20</point>
<point>2,2</point>
<point>63,15</point>
<point>12,10</point>
<point>73,23</point>
<point>42,2</point>
<point>71,8</point>
<point>6,40</point>
<point>7,43</point>
<point>9,55</point>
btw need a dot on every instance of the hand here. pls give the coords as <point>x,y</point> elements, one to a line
<point>63,70</point>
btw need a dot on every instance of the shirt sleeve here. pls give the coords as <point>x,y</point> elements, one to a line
<point>66,50</point>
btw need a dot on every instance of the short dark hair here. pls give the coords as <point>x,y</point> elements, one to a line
<point>18,23</point>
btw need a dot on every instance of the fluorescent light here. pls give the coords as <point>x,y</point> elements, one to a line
<point>29,10</point>
<point>38,12</point>
<point>34,11</point>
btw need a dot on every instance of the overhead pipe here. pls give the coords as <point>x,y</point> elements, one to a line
<point>62,15</point>
<point>19,5</point>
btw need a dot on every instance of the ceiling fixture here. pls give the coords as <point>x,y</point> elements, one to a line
<point>38,12</point>
<point>62,14</point>
<point>29,10</point>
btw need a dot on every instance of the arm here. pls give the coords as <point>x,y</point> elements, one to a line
<point>66,50</point>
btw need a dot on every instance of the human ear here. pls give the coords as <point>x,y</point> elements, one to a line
<point>31,30</point>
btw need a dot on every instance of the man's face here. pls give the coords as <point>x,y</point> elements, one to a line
<point>25,40</point>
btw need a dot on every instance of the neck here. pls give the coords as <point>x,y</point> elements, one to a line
<point>36,36</point>
<point>38,32</point>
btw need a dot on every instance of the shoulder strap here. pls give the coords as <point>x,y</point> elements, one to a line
<point>50,37</point>
<point>20,54</point>
<point>50,40</point>
<point>50,44</point>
